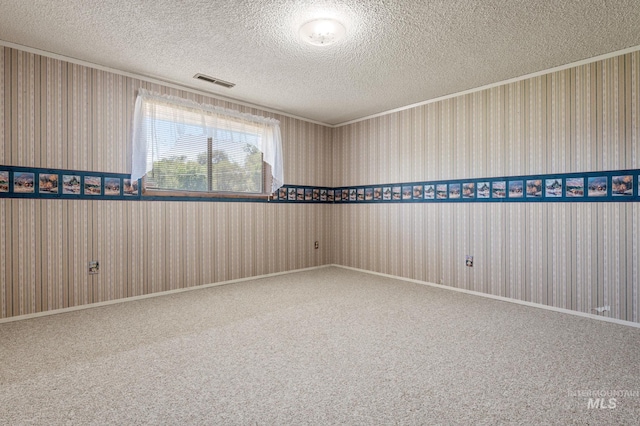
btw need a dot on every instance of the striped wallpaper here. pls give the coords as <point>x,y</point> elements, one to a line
<point>578,256</point>
<point>569,255</point>
<point>55,114</point>
<point>144,247</point>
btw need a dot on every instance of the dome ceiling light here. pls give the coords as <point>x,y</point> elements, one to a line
<point>322,32</point>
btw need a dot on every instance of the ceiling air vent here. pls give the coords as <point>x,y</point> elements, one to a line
<point>214,80</point>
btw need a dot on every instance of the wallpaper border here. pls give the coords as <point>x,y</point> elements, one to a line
<point>599,186</point>
<point>30,182</point>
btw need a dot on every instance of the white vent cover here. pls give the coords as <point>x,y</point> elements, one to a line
<point>214,80</point>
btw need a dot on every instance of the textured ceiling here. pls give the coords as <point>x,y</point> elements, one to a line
<point>396,53</point>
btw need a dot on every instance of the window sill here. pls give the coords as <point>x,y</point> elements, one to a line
<point>197,194</point>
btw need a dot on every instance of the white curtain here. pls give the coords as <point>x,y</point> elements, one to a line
<point>159,121</point>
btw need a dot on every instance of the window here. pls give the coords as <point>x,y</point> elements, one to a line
<point>184,147</point>
<point>208,164</point>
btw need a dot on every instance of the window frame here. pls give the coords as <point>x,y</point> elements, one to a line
<point>270,145</point>
<point>148,192</point>
<point>266,183</point>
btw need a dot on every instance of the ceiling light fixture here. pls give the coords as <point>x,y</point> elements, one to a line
<point>322,32</point>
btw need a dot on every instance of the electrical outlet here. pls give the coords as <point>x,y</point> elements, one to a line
<point>316,245</point>
<point>469,261</point>
<point>602,309</point>
<point>94,267</point>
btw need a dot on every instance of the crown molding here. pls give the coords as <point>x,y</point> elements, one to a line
<point>154,80</point>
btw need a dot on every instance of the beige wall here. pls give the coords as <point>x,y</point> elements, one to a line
<point>570,255</point>
<point>60,115</point>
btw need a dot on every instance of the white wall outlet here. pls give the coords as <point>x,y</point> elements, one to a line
<point>316,245</point>
<point>94,267</point>
<point>469,261</point>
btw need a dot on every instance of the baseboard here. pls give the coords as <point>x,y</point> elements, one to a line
<point>501,298</point>
<point>148,296</point>
<point>238,280</point>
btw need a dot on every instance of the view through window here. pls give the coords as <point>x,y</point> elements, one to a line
<point>226,162</point>
<point>183,146</point>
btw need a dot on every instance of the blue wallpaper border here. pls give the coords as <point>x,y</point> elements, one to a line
<point>580,187</point>
<point>600,186</point>
<point>43,183</point>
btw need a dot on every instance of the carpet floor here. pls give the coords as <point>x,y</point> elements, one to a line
<point>324,346</point>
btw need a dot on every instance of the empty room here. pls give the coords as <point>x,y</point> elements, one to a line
<point>319,212</point>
